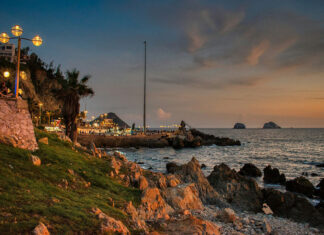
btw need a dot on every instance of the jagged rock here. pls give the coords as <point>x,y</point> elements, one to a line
<point>178,143</point>
<point>290,205</point>
<point>95,151</point>
<point>116,165</point>
<point>250,169</point>
<point>301,185</point>
<point>120,156</point>
<point>207,139</point>
<point>36,160</point>
<point>203,166</point>
<point>239,126</point>
<point>192,173</point>
<point>266,209</point>
<point>143,184</point>
<point>171,167</point>
<point>320,192</point>
<point>153,205</point>
<point>273,176</point>
<point>109,224</point>
<point>189,225</point>
<point>172,180</point>
<point>183,197</point>
<point>41,229</point>
<point>271,125</point>
<point>132,212</point>
<point>240,191</point>
<point>43,140</point>
<point>228,215</point>
<point>266,227</point>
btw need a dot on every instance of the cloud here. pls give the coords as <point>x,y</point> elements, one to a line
<point>257,51</point>
<point>162,115</point>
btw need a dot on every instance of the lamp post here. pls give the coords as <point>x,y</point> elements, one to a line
<point>144,108</point>
<point>17,32</point>
<point>40,113</point>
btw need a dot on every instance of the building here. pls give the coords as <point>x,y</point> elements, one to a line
<point>7,51</point>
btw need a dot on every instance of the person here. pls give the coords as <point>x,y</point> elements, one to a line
<point>3,89</point>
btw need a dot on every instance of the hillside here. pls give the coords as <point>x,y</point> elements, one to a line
<point>61,192</point>
<point>115,118</point>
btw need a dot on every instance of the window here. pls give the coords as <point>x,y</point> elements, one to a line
<point>9,47</point>
<point>3,48</point>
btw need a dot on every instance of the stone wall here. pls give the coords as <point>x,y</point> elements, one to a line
<point>16,127</point>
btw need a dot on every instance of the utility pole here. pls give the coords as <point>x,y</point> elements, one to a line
<point>144,114</point>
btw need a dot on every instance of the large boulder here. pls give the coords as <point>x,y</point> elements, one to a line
<point>183,197</point>
<point>271,125</point>
<point>242,192</point>
<point>320,191</point>
<point>239,126</point>
<point>290,205</point>
<point>250,169</point>
<point>273,176</point>
<point>172,167</point>
<point>192,173</point>
<point>153,206</point>
<point>40,229</point>
<point>301,185</point>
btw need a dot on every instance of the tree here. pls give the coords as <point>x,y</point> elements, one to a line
<point>71,92</point>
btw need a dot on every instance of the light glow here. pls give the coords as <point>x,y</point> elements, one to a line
<point>16,30</point>
<point>6,74</point>
<point>4,38</point>
<point>37,40</point>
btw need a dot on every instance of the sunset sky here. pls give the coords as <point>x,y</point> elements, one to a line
<point>210,63</point>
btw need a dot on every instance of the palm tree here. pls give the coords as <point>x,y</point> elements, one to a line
<point>71,92</point>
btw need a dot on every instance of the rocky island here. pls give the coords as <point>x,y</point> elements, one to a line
<point>239,126</point>
<point>271,125</point>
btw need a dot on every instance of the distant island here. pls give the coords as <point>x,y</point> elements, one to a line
<point>271,125</point>
<point>239,126</point>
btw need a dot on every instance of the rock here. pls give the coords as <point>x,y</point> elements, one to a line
<point>203,166</point>
<point>266,209</point>
<point>116,165</point>
<point>228,215</point>
<point>242,192</point>
<point>301,185</point>
<point>250,169</point>
<point>172,180</point>
<point>36,160</point>
<point>207,139</point>
<point>273,176</point>
<point>143,184</point>
<point>239,126</point>
<point>266,227</point>
<point>271,125</point>
<point>43,140</point>
<point>132,212</point>
<point>314,174</point>
<point>178,143</point>
<point>183,197</point>
<point>95,151</point>
<point>321,188</point>
<point>153,205</point>
<point>291,206</point>
<point>110,225</point>
<point>189,225</point>
<point>41,229</point>
<point>320,165</point>
<point>171,167</point>
<point>192,173</point>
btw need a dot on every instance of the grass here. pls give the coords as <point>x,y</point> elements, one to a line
<point>29,194</point>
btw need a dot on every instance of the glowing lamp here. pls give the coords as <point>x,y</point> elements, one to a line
<point>6,74</point>
<point>23,75</point>
<point>37,40</point>
<point>16,30</point>
<point>4,38</point>
<point>40,104</point>
<point>20,91</point>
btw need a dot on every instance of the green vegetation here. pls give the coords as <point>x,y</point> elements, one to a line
<point>55,195</point>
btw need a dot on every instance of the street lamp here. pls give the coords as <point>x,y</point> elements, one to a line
<point>6,74</point>
<point>40,113</point>
<point>17,32</point>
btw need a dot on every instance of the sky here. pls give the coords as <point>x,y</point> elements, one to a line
<point>210,63</point>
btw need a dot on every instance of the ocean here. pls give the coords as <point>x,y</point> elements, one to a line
<point>293,151</point>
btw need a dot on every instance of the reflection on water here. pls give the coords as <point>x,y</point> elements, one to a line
<point>292,151</point>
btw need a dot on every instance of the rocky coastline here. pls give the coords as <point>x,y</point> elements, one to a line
<point>225,202</point>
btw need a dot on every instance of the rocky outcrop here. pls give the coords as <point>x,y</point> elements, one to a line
<point>301,185</point>
<point>320,191</point>
<point>16,127</point>
<point>273,176</point>
<point>36,160</point>
<point>40,229</point>
<point>183,197</point>
<point>211,139</point>
<point>250,169</point>
<point>290,205</point>
<point>109,224</point>
<point>192,173</point>
<point>242,192</point>
<point>43,140</point>
<point>239,126</point>
<point>271,125</point>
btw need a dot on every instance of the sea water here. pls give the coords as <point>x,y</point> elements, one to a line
<point>292,151</point>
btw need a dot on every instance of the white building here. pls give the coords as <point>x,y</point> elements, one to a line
<point>8,51</point>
